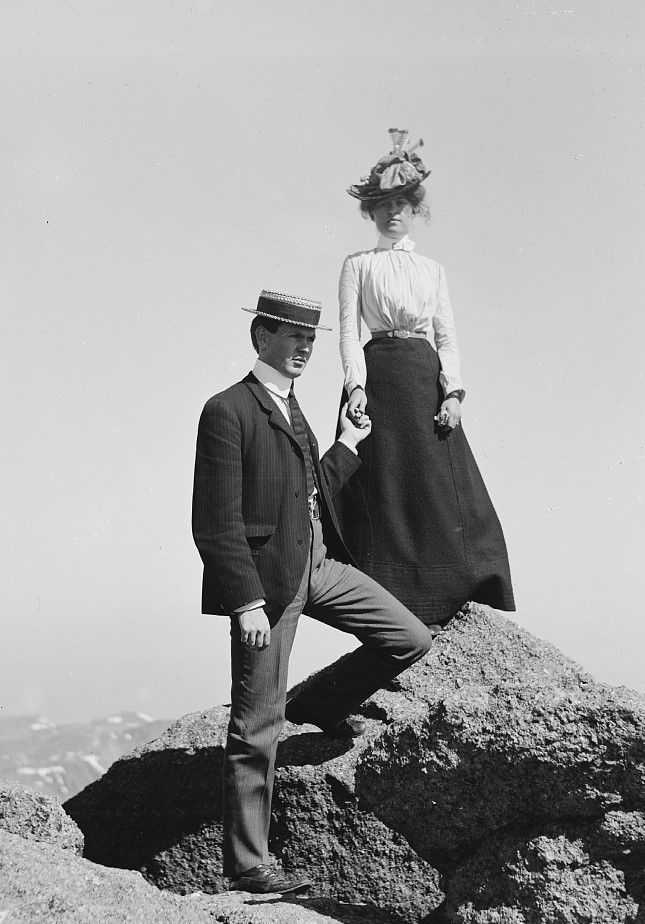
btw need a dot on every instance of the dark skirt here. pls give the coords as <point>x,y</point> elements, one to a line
<point>417,516</point>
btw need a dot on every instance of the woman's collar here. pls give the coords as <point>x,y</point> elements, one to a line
<point>386,243</point>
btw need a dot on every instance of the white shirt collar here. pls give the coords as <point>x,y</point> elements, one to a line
<point>386,243</point>
<point>272,380</point>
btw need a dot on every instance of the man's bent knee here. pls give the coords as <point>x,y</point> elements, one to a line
<point>420,643</point>
<point>415,640</point>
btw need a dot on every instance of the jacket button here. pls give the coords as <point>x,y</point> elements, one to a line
<point>299,541</point>
<point>297,493</point>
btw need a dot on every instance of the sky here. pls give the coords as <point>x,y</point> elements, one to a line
<point>162,162</point>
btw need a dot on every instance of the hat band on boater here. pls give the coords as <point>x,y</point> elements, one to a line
<point>290,309</point>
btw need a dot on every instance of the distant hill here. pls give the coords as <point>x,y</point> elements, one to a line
<point>62,759</point>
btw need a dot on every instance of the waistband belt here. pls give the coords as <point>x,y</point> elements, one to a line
<point>399,333</point>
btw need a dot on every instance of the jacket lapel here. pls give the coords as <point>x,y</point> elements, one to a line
<point>278,420</point>
<point>276,417</point>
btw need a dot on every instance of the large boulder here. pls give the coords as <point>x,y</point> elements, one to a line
<point>38,817</point>
<point>159,811</point>
<point>496,778</point>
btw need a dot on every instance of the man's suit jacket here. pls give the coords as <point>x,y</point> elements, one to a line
<point>250,514</point>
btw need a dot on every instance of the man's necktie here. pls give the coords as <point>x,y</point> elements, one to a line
<point>300,432</point>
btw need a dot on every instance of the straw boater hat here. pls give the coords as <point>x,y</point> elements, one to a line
<point>289,308</point>
<point>397,173</point>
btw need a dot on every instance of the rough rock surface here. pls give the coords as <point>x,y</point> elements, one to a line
<point>41,883</point>
<point>495,772</point>
<point>159,812</point>
<point>38,817</point>
<point>551,876</point>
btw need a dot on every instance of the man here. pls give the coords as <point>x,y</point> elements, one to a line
<point>265,527</point>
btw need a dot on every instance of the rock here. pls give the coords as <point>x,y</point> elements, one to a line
<point>41,883</point>
<point>527,736</point>
<point>159,810</point>
<point>547,877</point>
<point>244,908</point>
<point>37,817</point>
<point>618,834</point>
<point>494,735</point>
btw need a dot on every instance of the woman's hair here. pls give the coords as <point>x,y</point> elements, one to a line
<point>415,197</point>
<point>270,324</point>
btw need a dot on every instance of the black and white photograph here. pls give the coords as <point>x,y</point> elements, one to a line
<point>324,462</point>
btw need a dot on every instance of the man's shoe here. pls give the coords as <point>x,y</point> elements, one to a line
<point>265,879</point>
<point>351,727</point>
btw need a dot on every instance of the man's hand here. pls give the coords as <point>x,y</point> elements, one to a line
<point>450,413</point>
<point>255,631</point>
<point>351,431</point>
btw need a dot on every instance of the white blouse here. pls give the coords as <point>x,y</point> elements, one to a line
<point>394,288</point>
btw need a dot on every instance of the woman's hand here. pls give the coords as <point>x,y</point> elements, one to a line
<point>356,407</point>
<point>450,413</point>
<point>354,432</point>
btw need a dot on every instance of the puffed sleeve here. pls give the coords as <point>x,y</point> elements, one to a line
<point>349,298</point>
<point>445,338</point>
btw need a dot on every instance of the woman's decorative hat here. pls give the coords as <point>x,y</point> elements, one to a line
<point>398,172</point>
<point>288,308</point>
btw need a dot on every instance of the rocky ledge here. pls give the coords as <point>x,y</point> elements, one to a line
<point>497,784</point>
<point>42,883</point>
<point>38,817</point>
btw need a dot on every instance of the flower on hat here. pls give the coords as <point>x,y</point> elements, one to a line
<point>398,171</point>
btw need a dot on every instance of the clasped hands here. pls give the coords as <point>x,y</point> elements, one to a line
<point>355,425</point>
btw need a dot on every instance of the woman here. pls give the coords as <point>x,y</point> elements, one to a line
<point>417,515</point>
